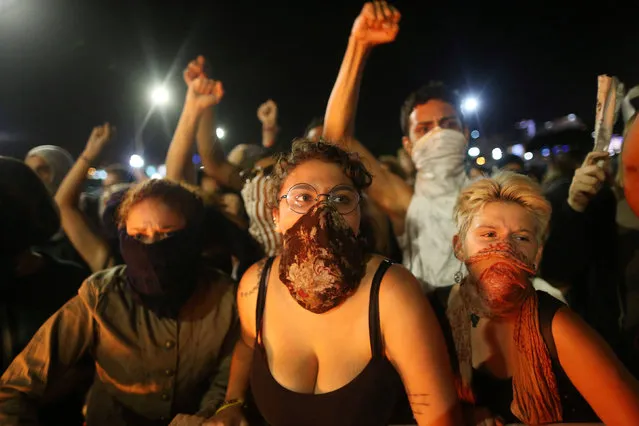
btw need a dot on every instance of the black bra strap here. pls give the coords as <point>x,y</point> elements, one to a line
<point>261,297</point>
<point>374,327</point>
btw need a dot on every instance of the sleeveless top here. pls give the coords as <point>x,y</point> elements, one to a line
<point>370,399</point>
<point>497,394</point>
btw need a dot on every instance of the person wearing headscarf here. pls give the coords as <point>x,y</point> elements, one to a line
<point>51,163</point>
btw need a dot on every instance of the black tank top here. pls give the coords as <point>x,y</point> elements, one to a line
<point>497,394</point>
<point>369,399</point>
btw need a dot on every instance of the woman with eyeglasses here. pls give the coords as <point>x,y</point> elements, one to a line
<point>331,333</point>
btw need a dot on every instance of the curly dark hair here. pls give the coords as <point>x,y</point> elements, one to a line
<point>304,150</point>
<point>433,90</point>
<point>185,199</point>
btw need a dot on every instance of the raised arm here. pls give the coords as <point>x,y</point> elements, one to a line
<point>595,371</point>
<point>213,159</point>
<point>92,247</point>
<point>47,362</point>
<point>267,114</point>
<point>377,24</point>
<point>415,345</point>
<point>202,94</point>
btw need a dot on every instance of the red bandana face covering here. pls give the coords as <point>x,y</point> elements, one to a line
<point>322,260</point>
<point>503,289</point>
<point>504,283</point>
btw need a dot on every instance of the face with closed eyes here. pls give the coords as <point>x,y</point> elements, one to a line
<point>498,223</point>
<point>151,220</point>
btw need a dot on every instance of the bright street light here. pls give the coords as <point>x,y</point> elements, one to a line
<point>159,95</point>
<point>528,156</point>
<point>136,161</point>
<point>473,152</point>
<point>497,154</point>
<point>220,132</point>
<point>470,104</point>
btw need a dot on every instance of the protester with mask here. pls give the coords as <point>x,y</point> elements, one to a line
<point>518,352</point>
<point>160,329</point>
<point>434,136</point>
<point>33,285</point>
<point>322,338</point>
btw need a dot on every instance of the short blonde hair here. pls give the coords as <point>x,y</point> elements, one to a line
<point>504,187</point>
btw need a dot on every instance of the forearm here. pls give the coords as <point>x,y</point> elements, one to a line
<point>240,371</point>
<point>212,155</point>
<point>68,194</point>
<point>339,121</point>
<point>181,148</point>
<point>269,134</point>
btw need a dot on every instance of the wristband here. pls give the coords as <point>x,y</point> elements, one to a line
<point>229,404</point>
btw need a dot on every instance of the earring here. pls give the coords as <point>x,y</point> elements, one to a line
<point>459,276</point>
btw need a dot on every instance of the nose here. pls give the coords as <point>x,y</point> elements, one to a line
<point>320,200</point>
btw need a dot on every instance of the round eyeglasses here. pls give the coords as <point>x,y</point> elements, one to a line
<point>301,197</point>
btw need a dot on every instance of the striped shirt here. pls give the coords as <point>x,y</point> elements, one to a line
<point>258,204</point>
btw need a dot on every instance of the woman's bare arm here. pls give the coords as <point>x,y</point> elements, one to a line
<point>595,371</point>
<point>415,345</point>
<point>92,247</point>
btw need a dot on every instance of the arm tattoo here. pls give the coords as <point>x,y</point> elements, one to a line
<point>260,270</point>
<point>418,402</point>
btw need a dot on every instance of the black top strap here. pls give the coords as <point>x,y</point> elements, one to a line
<point>374,327</point>
<point>548,307</point>
<point>261,297</point>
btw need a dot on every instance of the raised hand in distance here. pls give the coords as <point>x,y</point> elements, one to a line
<point>267,114</point>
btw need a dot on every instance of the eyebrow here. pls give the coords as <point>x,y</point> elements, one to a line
<point>494,227</point>
<point>339,185</point>
<point>166,228</point>
<point>449,117</point>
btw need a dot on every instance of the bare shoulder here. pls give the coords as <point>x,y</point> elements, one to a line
<point>247,292</point>
<point>570,332</point>
<point>400,291</point>
<point>250,282</point>
<point>399,282</point>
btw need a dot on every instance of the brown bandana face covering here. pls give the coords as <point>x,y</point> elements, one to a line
<point>322,261</point>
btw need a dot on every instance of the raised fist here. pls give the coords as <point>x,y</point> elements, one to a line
<point>100,136</point>
<point>378,23</point>
<point>267,113</point>
<point>194,69</point>
<point>204,93</point>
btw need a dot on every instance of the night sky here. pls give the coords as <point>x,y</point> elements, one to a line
<point>66,65</point>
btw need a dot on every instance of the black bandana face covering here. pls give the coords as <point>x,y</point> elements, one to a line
<point>163,274</point>
<point>322,261</point>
